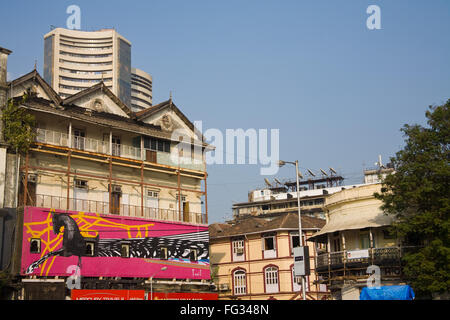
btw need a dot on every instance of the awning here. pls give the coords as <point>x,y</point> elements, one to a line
<point>340,221</point>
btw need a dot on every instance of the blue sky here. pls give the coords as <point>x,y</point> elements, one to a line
<point>338,92</point>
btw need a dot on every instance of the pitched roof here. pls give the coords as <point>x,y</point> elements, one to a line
<point>260,224</point>
<point>168,104</point>
<point>134,122</point>
<point>100,86</point>
<point>35,76</point>
<point>153,109</point>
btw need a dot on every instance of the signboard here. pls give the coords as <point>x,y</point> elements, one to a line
<point>98,241</point>
<point>183,296</point>
<point>301,261</point>
<point>98,295</point>
<point>357,254</point>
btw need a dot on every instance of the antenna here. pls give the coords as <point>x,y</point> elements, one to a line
<point>379,163</point>
<point>310,172</point>
<point>323,172</point>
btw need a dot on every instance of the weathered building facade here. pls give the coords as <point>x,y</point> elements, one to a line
<point>355,237</point>
<point>252,258</point>
<point>107,193</point>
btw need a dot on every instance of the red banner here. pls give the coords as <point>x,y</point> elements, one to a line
<point>182,296</point>
<point>98,295</point>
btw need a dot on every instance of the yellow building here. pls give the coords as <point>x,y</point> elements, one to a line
<point>252,258</point>
<point>93,156</point>
<point>356,236</point>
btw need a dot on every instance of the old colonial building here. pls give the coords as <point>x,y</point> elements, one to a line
<point>252,258</point>
<point>356,236</point>
<point>105,192</point>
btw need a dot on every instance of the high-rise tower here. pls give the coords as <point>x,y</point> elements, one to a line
<point>75,60</point>
<point>141,90</point>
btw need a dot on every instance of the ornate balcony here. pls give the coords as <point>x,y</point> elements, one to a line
<point>353,263</point>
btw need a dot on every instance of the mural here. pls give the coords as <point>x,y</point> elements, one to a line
<point>112,246</point>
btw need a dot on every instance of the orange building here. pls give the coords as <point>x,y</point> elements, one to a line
<point>252,258</point>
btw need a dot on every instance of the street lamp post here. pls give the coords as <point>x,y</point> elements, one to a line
<point>280,164</point>
<point>151,281</point>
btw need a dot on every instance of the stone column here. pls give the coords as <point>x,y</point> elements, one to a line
<point>3,147</point>
<point>3,87</point>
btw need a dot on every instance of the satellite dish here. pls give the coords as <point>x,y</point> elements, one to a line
<point>277,181</point>
<point>267,182</point>
<point>332,170</point>
<point>300,175</point>
<point>310,172</point>
<point>324,172</point>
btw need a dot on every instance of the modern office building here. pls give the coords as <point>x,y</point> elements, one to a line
<point>76,60</point>
<point>141,90</point>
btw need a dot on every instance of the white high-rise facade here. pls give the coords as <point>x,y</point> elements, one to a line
<point>141,90</point>
<point>75,60</point>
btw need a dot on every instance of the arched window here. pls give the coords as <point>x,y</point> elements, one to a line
<point>271,279</point>
<point>239,282</point>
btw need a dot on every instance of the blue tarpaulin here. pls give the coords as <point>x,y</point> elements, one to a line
<point>387,293</point>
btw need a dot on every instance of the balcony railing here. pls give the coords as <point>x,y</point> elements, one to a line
<point>377,256</point>
<point>118,150</point>
<point>100,207</point>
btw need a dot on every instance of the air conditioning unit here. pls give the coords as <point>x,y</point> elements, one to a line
<point>32,178</point>
<point>224,287</point>
<point>117,189</point>
<point>82,184</point>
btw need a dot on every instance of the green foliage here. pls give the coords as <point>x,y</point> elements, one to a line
<point>18,126</point>
<point>417,195</point>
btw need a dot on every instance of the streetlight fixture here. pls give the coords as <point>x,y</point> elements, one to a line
<point>280,164</point>
<point>151,281</point>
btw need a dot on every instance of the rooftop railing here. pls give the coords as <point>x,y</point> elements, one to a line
<point>377,256</point>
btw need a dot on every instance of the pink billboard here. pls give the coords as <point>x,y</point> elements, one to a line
<point>54,241</point>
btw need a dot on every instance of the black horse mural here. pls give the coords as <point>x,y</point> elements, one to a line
<point>179,246</point>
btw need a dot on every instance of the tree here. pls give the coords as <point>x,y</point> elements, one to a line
<point>417,196</point>
<point>18,126</point>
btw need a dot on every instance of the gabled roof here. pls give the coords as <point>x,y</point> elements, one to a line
<point>35,76</point>
<point>103,88</point>
<point>168,104</point>
<point>260,224</point>
<point>153,109</point>
<point>133,121</point>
